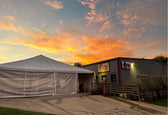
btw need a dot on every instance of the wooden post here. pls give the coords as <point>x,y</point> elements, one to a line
<point>25,76</point>
<point>161,80</point>
<point>123,90</point>
<point>148,80</point>
<point>55,83</point>
<point>110,88</point>
<point>91,87</point>
<point>138,91</point>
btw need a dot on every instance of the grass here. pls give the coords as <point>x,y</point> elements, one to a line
<point>161,102</point>
<point>11,111</point>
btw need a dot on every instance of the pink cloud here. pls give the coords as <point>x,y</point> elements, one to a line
<point>55,4</point>
<point>94,15</point>
<point>91,3</point>
<point>144,13</point>
<point>153,45</point>
<point>164,54</point>
<point>135,16</point>
<point>105,26</point>
<point>151,48</point>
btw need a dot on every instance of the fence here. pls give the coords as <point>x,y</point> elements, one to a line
<point>152,88</point>
<point>147,88</point>
<point>147,83</point>
<point>123,90</point>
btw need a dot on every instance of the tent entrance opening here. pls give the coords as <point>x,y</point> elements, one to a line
<point>84,82</point>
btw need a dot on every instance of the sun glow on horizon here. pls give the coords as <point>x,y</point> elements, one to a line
<point>89,32</point>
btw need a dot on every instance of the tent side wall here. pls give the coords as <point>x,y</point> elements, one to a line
<point>27,84</point>
<point>66,83</point>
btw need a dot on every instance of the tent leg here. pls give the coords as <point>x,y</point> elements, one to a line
<point>77,82</point>
<point>55,83</point>
<point>51,85</point>
<point>25,84</point>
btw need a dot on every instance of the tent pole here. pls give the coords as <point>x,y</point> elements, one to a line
<point>25,82</point>
<point>55,83</point>
<point>51,85</point>
<point>77,83</point>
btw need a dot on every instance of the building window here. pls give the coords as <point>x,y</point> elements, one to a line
<point>113,78</point>
<point>96,80</point>
<point>96,77</point>
<point>104,78</point>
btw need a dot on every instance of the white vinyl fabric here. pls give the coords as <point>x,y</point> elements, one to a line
<point>42,63</point>
<point>66,83</point>
<point>41,76</point>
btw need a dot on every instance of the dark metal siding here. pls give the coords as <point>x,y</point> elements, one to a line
<point>142,67</point>
<point>112,69</point>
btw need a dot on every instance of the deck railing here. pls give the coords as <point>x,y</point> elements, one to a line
<point>147,88</point>
<point>123,90</point>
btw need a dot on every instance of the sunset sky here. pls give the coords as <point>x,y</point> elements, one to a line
<point>84,31</point>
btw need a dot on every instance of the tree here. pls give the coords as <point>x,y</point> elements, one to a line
<point>77,64</point>
<point>161,59</point>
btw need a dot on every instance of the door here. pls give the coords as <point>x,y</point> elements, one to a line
<point>113,78</point>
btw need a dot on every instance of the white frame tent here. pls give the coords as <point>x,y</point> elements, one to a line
<point>39,76</point>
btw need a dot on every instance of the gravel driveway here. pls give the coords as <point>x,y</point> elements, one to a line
<point>77,105</point>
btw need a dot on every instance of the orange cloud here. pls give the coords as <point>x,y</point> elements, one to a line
<point>74,44</point>
<point>9,18</point>
<point>85,50</point>
<point>6,24</point>
<point>26,31</point>
<point>56,4</point>
<point>48,43</point>
<point>77,45</point>
<point>61,43</point>
<point>97,49</point>
<point>39,31</point>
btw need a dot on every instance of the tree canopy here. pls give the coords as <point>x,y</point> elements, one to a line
<point>161,59</point>
<point>77,64</point>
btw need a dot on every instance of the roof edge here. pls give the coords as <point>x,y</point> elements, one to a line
<point>48,71</point>
<point>122,58</point>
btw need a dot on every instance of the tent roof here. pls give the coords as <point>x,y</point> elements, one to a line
<point>42,63</point>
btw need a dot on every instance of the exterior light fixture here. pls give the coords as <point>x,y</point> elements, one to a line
<point>132,65</point>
